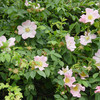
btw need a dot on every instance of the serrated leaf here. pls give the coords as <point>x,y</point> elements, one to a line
<point>95,75</point>
<point>57,55</point>
<point>32,74</point>
<point>47,72</point>
<point>7,57</point>
<point>27,75</point>
<point>41,73</point>
<point>85,83</point>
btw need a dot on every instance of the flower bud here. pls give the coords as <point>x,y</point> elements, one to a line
<point>29,48</point>
<point>16,31</point>
<point>29,10</point>
<point>15,71</point>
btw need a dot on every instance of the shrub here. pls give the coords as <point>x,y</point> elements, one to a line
<point>49,50</point>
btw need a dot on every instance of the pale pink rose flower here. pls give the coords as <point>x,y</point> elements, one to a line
<point>65,70</point>
<point>91,15</point>
<point>27,30</point>
<point>41,62</point>
<point>69,80</point>
<point>98,89</point>
<point>83,75</point>
<point>75,89</point>
<point>83,18</point>
<point>10,41</point>
<point>87,38</point>
<point>97,59</point>
<point>70,43</point>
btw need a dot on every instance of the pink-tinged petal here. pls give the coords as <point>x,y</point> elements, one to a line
<point>31,34</point>
<point>60,72</point>
<point>93,36</point>
<point>88,10</point>
<point>3,39</point>
<point>26,3</point>
<point>98,89</point>
<point>24,36</point>
<point>41,68</point>
<point>96,14</point>
<point>83,18</point>
<point>20,30</point>
<point>11,42</point>
<point>36,58</point>
<point>92,21</point>
<point>33,25</point>
<point>26,23</point>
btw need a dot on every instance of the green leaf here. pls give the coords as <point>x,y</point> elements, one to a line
<point>41,73</point>
<point>47,72</point>
<point>57,55</point>
<point>54,58</point>
<point>97,96</point>
<point>95,75</point>
<point>7,57</point>
<point>57,96</point>
<point>77,28</point>
<point>27,75</point>
<point>52,42</point>
<point>32,74</point>
<point>61,63</point>
<point>85,83</point>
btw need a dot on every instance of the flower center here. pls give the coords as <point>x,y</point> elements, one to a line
<point>40,64</point>
<point>90,17</point>
<point>67,80</point>
<point>27,29</point>
<point>75,88</point>
<point>64,70</point>
<point>83,74</point>
<point>87,37</point>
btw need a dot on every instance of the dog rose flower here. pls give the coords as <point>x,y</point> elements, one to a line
<point>75,89</point>
<point>27,30</point>
<point>90,16</point>
<point>65,70</point>
<point>70,42</point>
<point>85,39</point>
<point>4,40</point>
<point>97,59</point>
<point>98,89</point>
<point>69,80</point>
<point>40,62</point>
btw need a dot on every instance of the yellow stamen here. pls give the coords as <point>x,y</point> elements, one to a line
<point>87,37</point>
<point>27,29</point>
<point>64,70</point>
<point>40,64</point>
<point>67,80</point>
<point>90,17</point>
<point>75,88</point>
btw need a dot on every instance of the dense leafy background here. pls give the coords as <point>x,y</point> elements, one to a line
<point>59,18</point>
